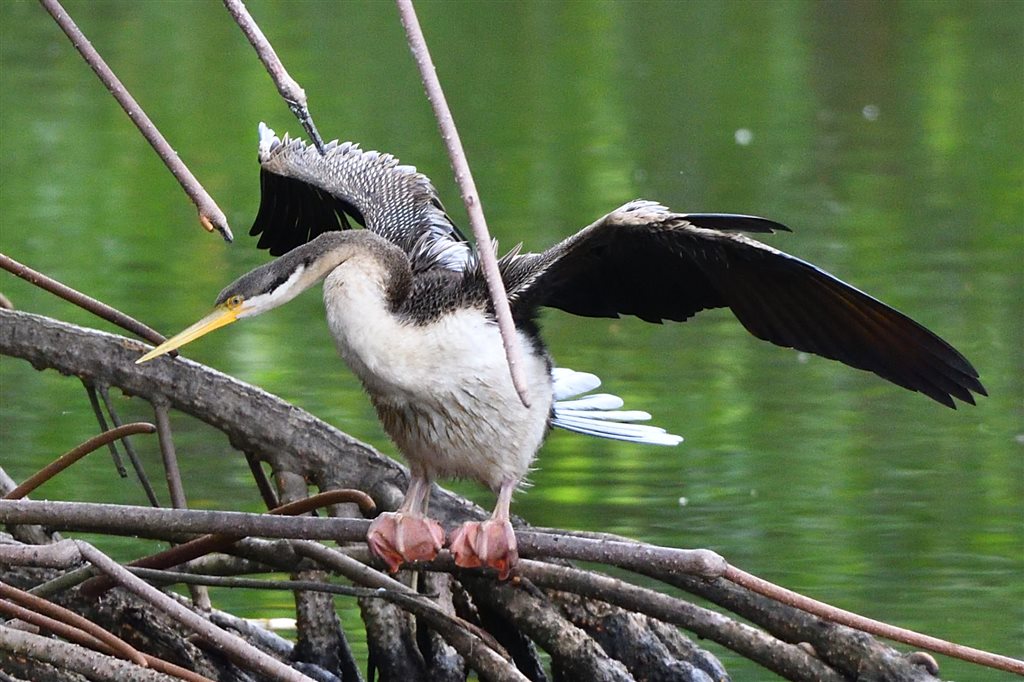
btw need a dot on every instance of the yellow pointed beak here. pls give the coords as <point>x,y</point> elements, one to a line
<point>222,315</point>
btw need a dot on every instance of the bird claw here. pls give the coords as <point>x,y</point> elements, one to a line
<point>399,538</point>
<point>489,543</point>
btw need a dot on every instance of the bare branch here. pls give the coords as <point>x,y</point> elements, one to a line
<point>97,308</point>
<point>870,625</point>
<point>170,458</point>
<point>210,215</point>
<point>210,543</point>
<point>101,419</point>
<point>698,562</point>
<point>852,653</point>
<point>442,659</point>
<point>464,178</point>
<point>161,577</point>
<point>30,534</point>
<point>263,483</point>
<point>573,653</point>
<point>290,90</point>
<point>249,416</point>
<point>633,640</point>
<point>80,631</point>
<point>391,642</point>
<point>172,474</point>
<point>161,524</point>
<point>231,526</point>
<point>315,453</point>
<point>140,471</point>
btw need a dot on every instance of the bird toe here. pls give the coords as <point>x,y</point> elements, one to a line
<point>490,544</point>
<point>398,538</point>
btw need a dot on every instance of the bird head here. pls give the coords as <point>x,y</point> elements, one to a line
<point>279,281</point>
<point>226,312</point>
<point>264,288</point>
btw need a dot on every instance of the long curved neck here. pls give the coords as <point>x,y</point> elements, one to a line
<point>360,251</point>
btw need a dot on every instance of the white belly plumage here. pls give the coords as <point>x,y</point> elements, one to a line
<point>442,390</point>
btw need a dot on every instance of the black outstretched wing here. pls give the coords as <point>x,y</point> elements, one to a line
<point>304,193</point>
<point>646,261</point>
<point>293,212</point>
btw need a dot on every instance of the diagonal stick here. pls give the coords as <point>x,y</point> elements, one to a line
<point>210,215</point>
<point>290,90</point>
<point>464,178</point>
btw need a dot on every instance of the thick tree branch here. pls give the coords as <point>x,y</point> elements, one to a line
<point>248,415</point>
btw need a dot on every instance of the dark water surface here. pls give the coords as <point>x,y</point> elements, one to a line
<point>889,136</point>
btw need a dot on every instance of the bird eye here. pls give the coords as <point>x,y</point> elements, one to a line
<point>234,302</point>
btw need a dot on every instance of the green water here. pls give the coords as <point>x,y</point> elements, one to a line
<point>889,136</point>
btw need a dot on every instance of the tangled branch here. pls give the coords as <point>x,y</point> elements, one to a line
<point>576,615</point>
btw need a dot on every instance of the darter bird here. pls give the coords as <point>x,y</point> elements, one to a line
<point>408,307</point>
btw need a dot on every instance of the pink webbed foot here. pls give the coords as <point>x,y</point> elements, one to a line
<point>398,538</point>
<point>490,543</point>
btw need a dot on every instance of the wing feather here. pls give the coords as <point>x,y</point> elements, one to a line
<point>304,193</point>
<point>645,261</point>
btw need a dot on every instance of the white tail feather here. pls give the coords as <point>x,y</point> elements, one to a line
<point>569,383</point>
<point>607,415</point>
<point>599,414</point>
<point>597,401</point>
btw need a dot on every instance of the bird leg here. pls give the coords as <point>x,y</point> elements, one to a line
<point>407,535</point>
<point>490,543</point>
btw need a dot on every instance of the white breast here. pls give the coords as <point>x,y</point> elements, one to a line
<point>442,390</point>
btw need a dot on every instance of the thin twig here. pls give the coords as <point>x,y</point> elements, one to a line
<point>133,457</point>
<point>94,402</point>
<point>75,454</point>
<point>70,552</point>
<point>170,458</point>
<point>210,215</point>
<point>290,90</point>
<point>262,481</point>
<point>215,542</point>
<point>870,625</point>
<point>162,577</point>
<point>64,581</point>
<point>98,308</point>
<point>200,595</point>
<point>464,178</point>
